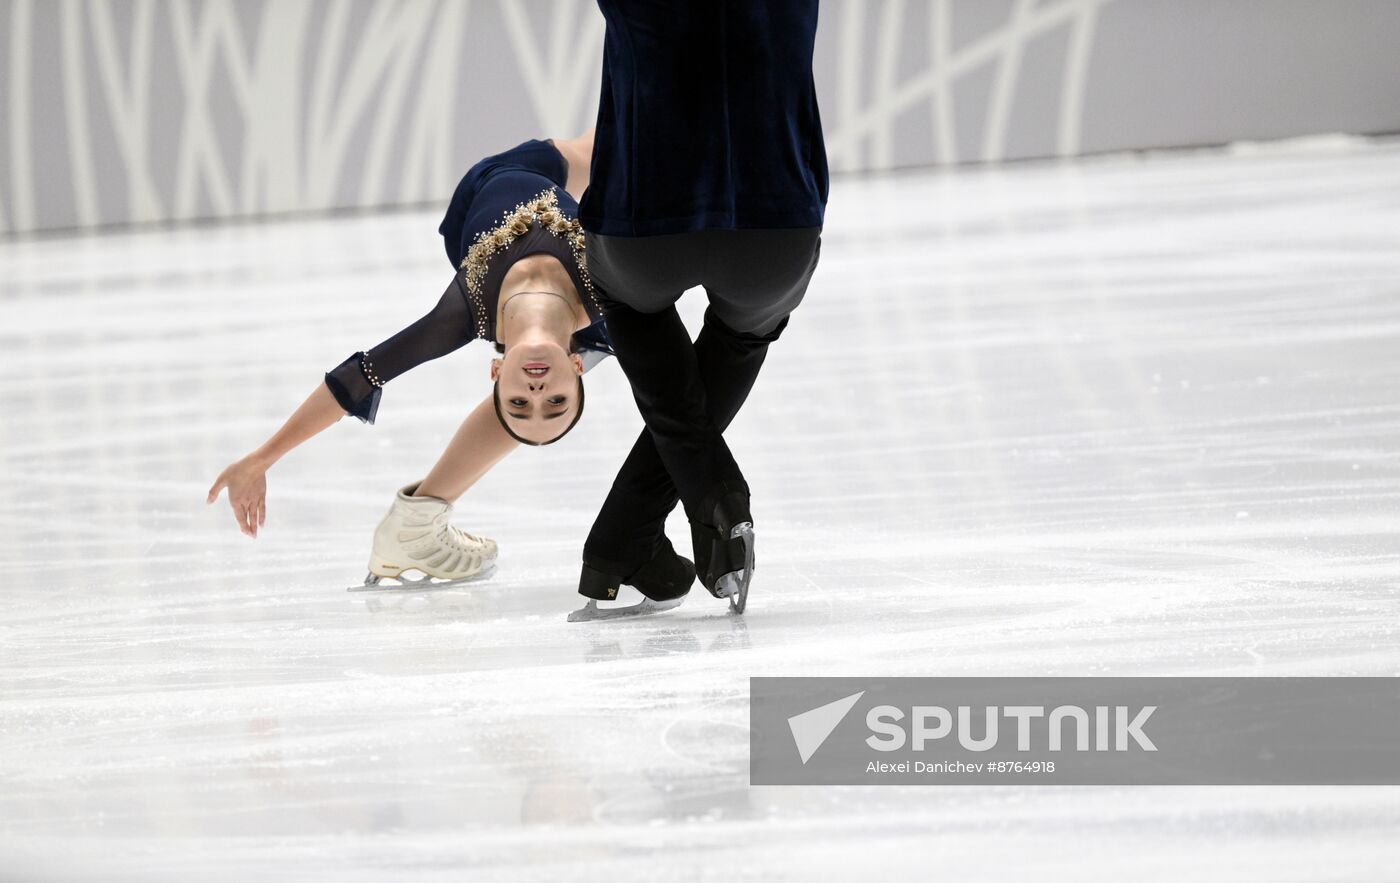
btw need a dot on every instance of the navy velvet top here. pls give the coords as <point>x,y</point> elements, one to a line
<point>507,207</point>
<point>708,119</point>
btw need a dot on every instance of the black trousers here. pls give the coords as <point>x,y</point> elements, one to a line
<point>688,392</point>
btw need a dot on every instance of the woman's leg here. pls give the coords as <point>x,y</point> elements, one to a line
<point>415,533</point>
<point>480,443</point>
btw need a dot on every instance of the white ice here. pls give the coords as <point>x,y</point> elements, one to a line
<point>1117,417</point>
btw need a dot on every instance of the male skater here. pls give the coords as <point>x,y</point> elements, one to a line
<point>708,170</point>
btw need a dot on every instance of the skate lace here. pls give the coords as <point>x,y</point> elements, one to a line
<point>457,538</point>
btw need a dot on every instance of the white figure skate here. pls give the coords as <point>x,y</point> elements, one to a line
<point>417,535</point>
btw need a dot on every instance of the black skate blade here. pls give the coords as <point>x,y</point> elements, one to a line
<point>735,584</point>
<point>591,612</point>
<point>375,583</point>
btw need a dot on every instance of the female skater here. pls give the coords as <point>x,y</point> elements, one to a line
<point>522,282</point>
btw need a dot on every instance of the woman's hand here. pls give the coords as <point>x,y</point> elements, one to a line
<point>246,481</point>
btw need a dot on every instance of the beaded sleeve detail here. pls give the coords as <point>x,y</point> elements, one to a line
<point>358,381</point>
<point>368,368</point>
<point>543,210</point>
<point>350,390</point>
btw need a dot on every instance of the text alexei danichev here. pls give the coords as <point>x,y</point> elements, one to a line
<point>923,766</point>
<point>957,767</point>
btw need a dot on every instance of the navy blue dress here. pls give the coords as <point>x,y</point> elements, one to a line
<point>507,207</point>
<point>708,119</point>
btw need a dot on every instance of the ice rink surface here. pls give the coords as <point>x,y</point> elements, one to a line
<point>1118,417</point>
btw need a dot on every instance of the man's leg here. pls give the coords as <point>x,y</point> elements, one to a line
<point>657,355</point>
<point>629,526</point>
<point>659,359</point>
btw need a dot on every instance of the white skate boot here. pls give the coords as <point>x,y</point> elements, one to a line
<point>417,535</point>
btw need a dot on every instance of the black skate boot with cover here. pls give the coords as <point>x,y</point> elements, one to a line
<point>663,582</point>
<point>724,551</point>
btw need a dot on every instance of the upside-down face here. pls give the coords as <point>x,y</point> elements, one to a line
<point>539,391</point>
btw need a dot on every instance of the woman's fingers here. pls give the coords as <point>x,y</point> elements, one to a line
<point>247,498</point>
<point>240,514</point>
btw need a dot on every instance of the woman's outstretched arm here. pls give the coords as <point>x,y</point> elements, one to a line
<point>246,479</point>
<point>479,444</point>
<point>348,389</point>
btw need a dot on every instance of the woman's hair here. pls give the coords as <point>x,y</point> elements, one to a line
<point>500,415</point>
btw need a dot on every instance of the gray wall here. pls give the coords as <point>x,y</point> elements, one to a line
<point>118,111</point>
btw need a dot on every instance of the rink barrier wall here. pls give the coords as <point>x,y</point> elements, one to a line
<point>143,111</point>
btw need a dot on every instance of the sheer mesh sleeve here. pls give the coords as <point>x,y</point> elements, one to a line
<point>449,326</point>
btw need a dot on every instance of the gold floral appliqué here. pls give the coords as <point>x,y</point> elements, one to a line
<point>542,210</point>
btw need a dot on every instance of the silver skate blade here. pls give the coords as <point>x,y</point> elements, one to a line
<point>591,612</point>
<point>375,583</point>
<point>735,585</point>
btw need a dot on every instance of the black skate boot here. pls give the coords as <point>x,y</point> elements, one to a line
<point>724,553</point>
<point>663,582</point>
